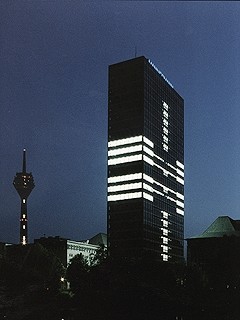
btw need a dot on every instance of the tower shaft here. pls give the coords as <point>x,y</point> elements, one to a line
<point>23,223</point>
<point>23,183</point>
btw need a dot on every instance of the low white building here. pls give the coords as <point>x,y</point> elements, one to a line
<point>66,249</point>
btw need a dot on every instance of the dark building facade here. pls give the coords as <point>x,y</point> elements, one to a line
<point>145,163</point>
<point>24,184</point>
<point>215,252</point>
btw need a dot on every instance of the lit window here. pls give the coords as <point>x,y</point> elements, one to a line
<point>165,130</point>
<point>165,138</point>
<point>180,165</point>
<point>147,187</point>
<point>165,248</point>
<point>165,122</point>
<point>165,214</point>
<point>164,231</point>
<point>149,142</point>
<point>165,257</point>
<point>24,240</point>
<point>165,105</point>
<point>147,150</point>
<point>147,178</point>
<point>165,114</point>
<point>180,211</point>
<point>180,180</point>
<point>147,196</point>
<point>180,196</point>
<point>165,147</point>
<point>165,240</point>
<point>180,204</point>
<point>181,173</point>
<point>148,160</point>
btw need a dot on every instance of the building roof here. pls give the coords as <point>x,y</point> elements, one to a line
<point>222,226</point>
<point>100,238</point>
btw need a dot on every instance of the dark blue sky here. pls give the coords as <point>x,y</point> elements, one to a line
<point>54,58</point>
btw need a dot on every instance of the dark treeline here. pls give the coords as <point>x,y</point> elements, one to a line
<point>35,285</point>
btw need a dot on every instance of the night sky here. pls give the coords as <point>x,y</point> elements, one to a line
<point>54,58</point>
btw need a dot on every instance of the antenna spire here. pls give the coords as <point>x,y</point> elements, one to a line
<point>24,161</point>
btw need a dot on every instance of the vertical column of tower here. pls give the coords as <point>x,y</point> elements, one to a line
<point>23,183</point>
<point>23,222</point>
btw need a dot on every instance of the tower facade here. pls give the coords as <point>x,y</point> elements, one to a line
<point>24,184</point>
<point>145,163</point>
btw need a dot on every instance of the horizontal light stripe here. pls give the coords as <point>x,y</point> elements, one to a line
<point>180,211</point>
<point>125,196</point>
<point>147,187</point>
<point>148,160</point>
<point>180,172</point>
<point>148,151</point>
<point>180,180</point>
<point>149,142</point>
<point>127,177</point>
<point>136,157</point>
<point>165,105</point>
<point>180,196</point>
<point>180,204</point>
<point>122,187</point>
<point>148,178</point>
<point>158,192</point>
<point>155,155</point>
<point>180,165</point>
<point>147,196</point>
<point>125,150</point>
<point>171,199</point>
<point>120,142</point>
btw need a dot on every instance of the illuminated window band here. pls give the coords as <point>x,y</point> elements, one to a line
<point>122,187</point>
<point>127,159</point>
<point>119,158</point>
<point>125,196</point>
<point>120,151</point>
<point>127,177</point>
<point>131,140</point>
<point>137,148</point>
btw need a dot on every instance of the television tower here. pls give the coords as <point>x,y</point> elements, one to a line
<point>23,183</point>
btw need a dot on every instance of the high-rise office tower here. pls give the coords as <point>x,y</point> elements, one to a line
<point>145,163</point>
<point>23,183</point>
